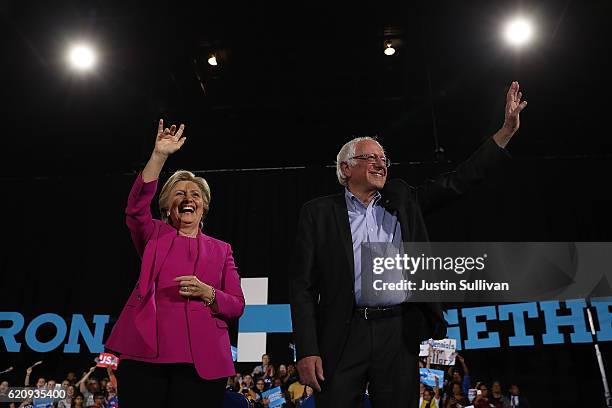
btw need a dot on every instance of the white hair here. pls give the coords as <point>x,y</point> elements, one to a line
<point>344,156</point>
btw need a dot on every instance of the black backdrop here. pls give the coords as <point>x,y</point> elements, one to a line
<point>66,249</point>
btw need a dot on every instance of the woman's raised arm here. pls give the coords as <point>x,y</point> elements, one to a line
<point>167,141</point>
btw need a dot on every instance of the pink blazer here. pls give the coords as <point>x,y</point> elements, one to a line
<point>135,332</point>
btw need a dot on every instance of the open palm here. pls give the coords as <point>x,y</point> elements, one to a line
<point>169,140</point>
<point>514,106</point>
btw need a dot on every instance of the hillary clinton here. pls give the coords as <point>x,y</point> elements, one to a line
<point>172,334</point>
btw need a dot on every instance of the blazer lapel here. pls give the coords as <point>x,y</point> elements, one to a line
<point>163,248</point>
<point>204,260</point>
<point>344,228</point>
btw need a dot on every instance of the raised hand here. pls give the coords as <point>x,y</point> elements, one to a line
<point>514,106</point>
<point>169,140</point>
<point>512,122</point>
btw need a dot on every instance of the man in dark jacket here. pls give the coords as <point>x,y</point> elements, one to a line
<point>345,338</point>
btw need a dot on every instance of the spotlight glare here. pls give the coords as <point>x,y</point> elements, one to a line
<point>82,57</point>
<point>212,60</point>
<point>518,32</point>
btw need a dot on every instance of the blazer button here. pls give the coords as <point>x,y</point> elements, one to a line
<point>138,297</point>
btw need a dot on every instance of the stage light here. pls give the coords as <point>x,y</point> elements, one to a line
<point>389,50</point>
<point>518,32</point>
<point>82,57</point>
<point>212,60</point>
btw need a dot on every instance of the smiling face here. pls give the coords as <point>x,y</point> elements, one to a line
<point>186,205</point>
<point>366,176</point>
<point>109,388</point>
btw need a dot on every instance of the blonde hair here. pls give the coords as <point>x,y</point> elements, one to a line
<point>182,175</point>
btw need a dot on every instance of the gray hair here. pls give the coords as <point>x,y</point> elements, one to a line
<point>344,156</point>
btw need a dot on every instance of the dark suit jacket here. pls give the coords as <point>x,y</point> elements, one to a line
<point>322,271</point>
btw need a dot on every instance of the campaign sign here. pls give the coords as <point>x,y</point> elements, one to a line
<point>428,377</point>
<point>43,403</point>
<point>275,396</point>
<point>472,394</point>
<point>444,351</point>
<point>424,351</point>
<point>107,360</point>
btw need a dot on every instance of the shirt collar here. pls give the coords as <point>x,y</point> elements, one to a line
<point>350,198</point>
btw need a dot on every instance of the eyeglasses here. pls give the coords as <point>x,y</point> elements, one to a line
<point>373,158</point>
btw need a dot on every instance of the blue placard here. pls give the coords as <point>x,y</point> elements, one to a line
<point>428,377</point>
<point>275,396</point>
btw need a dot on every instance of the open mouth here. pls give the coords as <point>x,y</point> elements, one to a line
<point>377,173</point>
<point>187,209</point>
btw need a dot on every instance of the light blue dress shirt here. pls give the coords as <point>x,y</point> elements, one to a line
<point>373,224</point>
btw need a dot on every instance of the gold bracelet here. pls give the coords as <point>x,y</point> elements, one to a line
<point>214,297</point>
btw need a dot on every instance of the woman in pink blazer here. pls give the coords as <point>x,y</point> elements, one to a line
<point>172,334</point>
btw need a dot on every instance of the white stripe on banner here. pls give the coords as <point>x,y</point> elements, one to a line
<point>251,346</point>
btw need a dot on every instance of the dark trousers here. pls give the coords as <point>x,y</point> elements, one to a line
<point>378,355</point>
<point>152,385</point>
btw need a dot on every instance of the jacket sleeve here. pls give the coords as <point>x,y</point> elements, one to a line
<point>434,193</point>
<point>304,289</point>
<point>138,212</point>
<point>229,297</point>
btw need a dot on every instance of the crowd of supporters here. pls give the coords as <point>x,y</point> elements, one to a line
<point>98,388</point>
<point>98,391</point>
<point>455,390</point>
